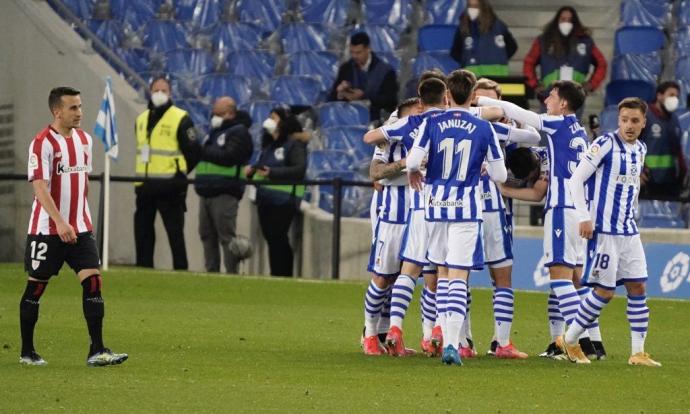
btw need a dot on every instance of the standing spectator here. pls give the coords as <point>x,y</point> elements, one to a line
<point>483,44</point>
<point>283,157</point>
<point>664,165</point>
<point>226,149</point>
<point>365,76</point>
<point>564,51</point>
<point>167,148</point>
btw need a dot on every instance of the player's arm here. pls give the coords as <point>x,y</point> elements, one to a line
<point>416,156</point>
<point>374,137</point>
<point>513,111</point>
<point>536,193</point>
<point>64,229</point>
<point>582,173</point>
<point>495,167</point>
<point>491,113</point>
<point>390,132</point>
<point>528,135</point>
<point>379,169</point>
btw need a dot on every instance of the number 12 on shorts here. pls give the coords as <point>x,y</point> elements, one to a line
<point>38,250</point>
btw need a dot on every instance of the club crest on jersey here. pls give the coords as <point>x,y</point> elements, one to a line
<point>35,264</point>
<point>62,169</point>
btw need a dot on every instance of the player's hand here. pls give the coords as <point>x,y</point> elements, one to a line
<point>586,229</point>
<point>416,180</point>
<point>66,232</point>
<point>249,171</point>
<point>644,176</point>
<point>264,171</point>
<point>342,86</point>
<point>483,171</point>
<point>377,186</point>
<point>356,94</point>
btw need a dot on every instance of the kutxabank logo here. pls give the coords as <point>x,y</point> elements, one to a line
<point>676,271</point>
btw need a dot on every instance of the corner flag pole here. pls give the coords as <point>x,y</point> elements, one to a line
<point>106,211</point>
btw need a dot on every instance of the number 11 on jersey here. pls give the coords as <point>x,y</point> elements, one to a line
<point>450,149</point>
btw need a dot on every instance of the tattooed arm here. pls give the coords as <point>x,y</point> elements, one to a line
<point>379,169</point>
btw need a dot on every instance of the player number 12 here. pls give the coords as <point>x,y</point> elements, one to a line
<point>449,149</point>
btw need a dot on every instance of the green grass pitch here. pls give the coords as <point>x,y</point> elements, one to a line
<point>200,343</point>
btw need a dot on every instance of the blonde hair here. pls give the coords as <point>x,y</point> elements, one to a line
<point>486,83</point>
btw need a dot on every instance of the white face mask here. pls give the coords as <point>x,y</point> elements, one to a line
<point>473,13</point>
<point>565,28</point>
<point>159,98</point>
<point>270,125</point>
<point>216,121</point>
<point>671,103</point>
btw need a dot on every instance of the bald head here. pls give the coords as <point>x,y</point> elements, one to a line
<point>225,107</point>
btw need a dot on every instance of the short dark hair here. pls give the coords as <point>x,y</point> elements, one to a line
<point>56,94</point>
<point>159,78</point>
<point>359,38</point>
<point>521,162</point>
<point>633,103</point>
<point>432,74</point>
<point>666,85</point>
<point>407,103</point>
<point>461,84</point>
<point>572,92</point>
<point>431,91</point>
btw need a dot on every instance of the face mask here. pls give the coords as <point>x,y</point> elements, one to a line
<point>270,125</point>
<point>159,98</point>
<point>216,121</point>
<point>671,103</point>
<point>565,28</point>
<point>473,13</point>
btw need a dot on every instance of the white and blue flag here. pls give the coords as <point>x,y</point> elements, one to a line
<point>105,128</point>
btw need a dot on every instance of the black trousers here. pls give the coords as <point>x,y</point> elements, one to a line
<point>275,224</point>
<point>172,208</point>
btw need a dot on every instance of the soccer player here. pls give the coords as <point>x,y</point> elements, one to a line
<point>457,143</point>
<point>615,254</point>
<point>60,227</point>
<point>567,141</point>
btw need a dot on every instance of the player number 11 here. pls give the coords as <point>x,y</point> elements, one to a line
<point>449,149</point>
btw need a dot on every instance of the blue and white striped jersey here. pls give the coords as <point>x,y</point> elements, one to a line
<point>617,182</point>
<point>404,131</point>
<point>393,201</point>
<point>492,200</point>
<point>457,143</point>
<point>567,142</point>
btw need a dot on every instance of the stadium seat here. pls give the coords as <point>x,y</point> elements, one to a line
<point>332,13</point>
<point>217,84</point>
<point>683,68</point>
<point>137,59</point>
<point>443,11</point>
<point>259,110</point>
<point>333,114</point>
<point>349,139</point>
<point>391,59</point>
<point>608,119</point>
<point>436,37</point>
<point>300,37</point>
<point>655,213</point>
<point>638,40</point>
<point>322,65</point>
<point>200,14</point>
<point>681,41</point>
<point>320,161</point>
<point>266,14</point>
<point>644,66</point>
<point>391,12</point>
<point>108,31</point>
<point>433,60</point>
<point>382,38</point>
<point>235,36</point>
<point>189,62</point>
<point>296,90</point>
<point>199,112</point>
<point>683,13</point>
<point>355,201</point>
<point>257,65</point>
<point>645,13</point>
<point>81,8</point>
<point>162,36</point>
<point>619,89</point>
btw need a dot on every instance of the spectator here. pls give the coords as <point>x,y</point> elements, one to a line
<point>225,150</point>
<point>365,76</point>
<point>665,167</point>
<point>283,157</point>
<point>564,51</point>
<point>167,148</point>
<point>483,44</point>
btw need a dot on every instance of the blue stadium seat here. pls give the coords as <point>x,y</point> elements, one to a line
<point>681,41</point>
<point>163,36</point>
<point>655,213</point>
<point>296,90</point>
<point>259,110</point>
<point>200,14</point>
<point>333,114</point>
<point>382,38</point>
<point>232,37</point>
<point>433,60</point>
<point>684,121</point>
<point>638,40</point>
<point>443,11</point>
<point>349,139</point>
<point>645,66</point>
<point>108,31</point>
<point>683,13</point>
<point>391,59</point>
<point>608,119</point>
<point>322,65</point>
<point>137,59</point>
<point>189,62</point>
<point>266,14</point>
<point>218,84</point>
<point>81,8</point>
<point>391,12</point>
<point>258,65</point>
<point>320,161</point>
<point>199,112</point>
<point>300,37</point>
<point>332,13</point>
<point>645,13</point>
<point>436,37</point>
<point>683,68</point>
<point>619,89</point>
<point>355,201</point>
<point>134,15</point>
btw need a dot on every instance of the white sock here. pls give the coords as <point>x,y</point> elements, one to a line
<point>638,317</point>
<point>403,290</point>
<point>428,310</point>
<point>441,302</point>
<point>568,300</point>
<point>455,310</point>
<point>373,303</point>
<point>589,310</point>
<point>556,322</point>
<point>503,314</point>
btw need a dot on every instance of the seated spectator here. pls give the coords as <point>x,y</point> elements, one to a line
<point>564,51</point>
<point>365,76</point>
<point>483,44</point>
<point>283,157</point>
<point>664,165</point>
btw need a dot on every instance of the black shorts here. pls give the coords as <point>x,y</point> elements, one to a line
<point>45,254</point>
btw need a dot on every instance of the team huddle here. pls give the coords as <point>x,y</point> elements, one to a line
<point>447,166</point>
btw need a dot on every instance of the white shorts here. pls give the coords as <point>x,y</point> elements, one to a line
<point>562,242</point>
<point>415,239</point>
<point>498,239</point>
<point>385,248</point>
<point>456,244</point>
<point>614,260</point>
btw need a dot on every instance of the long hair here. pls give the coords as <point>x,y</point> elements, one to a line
<point>555,43</point>
<point>486,18</point>
<point>287,125</point>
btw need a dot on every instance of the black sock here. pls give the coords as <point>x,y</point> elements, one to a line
<point>93,311</point>
<point>28,313</point>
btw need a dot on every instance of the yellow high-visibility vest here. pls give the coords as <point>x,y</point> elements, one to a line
<point>165,157</point>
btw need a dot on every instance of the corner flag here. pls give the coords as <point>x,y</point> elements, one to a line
<point>105,128</point>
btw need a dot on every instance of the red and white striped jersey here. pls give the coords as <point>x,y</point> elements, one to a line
<point>65,164</point>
